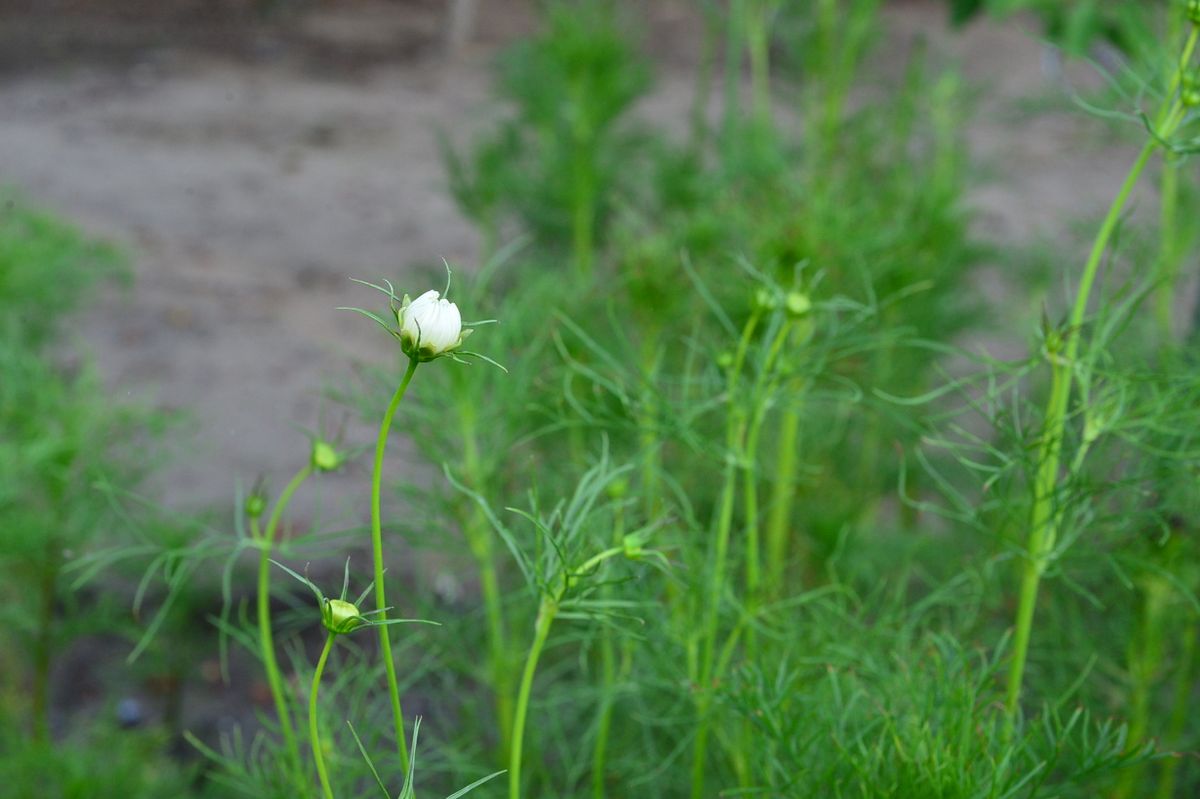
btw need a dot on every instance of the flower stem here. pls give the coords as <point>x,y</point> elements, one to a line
<point>1043,522</point>
<point>782,493</point>
<point>385,644</point>
<point>547,610</point>
<point>266,643</point>
<point>608,697</point>
<point>1168,248</point>
<point>759,46</point>
<point>735,432</point>
<point>479,540</point>
<point>759,400</point>
<point>314,729</point>
<point>43,644</point>
<point>1181,711</point>
<point>583,168</point>
<point>1145,658</point>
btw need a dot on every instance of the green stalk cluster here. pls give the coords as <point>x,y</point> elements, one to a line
<point>1064,353</point>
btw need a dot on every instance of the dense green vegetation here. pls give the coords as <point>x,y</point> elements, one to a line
<point>731,508</point>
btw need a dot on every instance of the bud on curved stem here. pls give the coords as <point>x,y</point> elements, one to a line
<point>314,727</point>
<point>385,643</point>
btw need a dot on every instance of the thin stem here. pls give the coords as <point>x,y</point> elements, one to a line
<point>385,643</point>
<point>1043,522</point>
<point>1185,59</point>
<point>44,641</point>
<point>1169,254</point>
<point>609,671</point>
<point>782,493</point>
<point>648,427</point>
<point>314,729</point>
<point>266,643</point>
<point>1145,663</point>
<point>758,45</point>
<point>547,610</point>
<point>704,75</point>
<point>733,78</point>
<point>480,544</point>
<point>588,565</point>
<point>1181,711</point>
<point>735,432</point>
<point>584,195</point>
<point>828,25</point>
<point>750,471</point>
<point>1168,248</point>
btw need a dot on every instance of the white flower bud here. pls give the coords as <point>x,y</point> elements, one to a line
<point>429,326</point>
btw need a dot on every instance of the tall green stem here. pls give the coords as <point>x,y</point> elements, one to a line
<point>758,44</point>
<point>704,75</point>
<point>385,643</point>
<point>1181,711</point>
<point>314,729</point>
<point>44,640</point>
<point>830,43</point>
<point>1145,663</point>
<point>608,663</point>
<point>547,610</point>
<point>1168,248</point>
<point>266,642</point>
<point>1043,521</point>
<point>782,493</point>
<point>759,402</point>
<point>480,543</point>
<point>735,432</point>
<point>731,125</point>
<point>583,224</point>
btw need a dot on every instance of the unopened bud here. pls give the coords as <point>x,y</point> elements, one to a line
<point>1189,90</point>
<point>618,488</point>
<point>765,300</point>
<point>256,505</point>
<point>797,304</point>
<point>1193,11</point>
<point>324,457</point>
<point>340,616</point>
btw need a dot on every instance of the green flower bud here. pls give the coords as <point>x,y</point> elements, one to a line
<point>1189,90</point>
<point>256,505</point>
<point>618,488</point>
<point>1193,11</point>
<point>725,359</point>
<point>341,617</point>
<point>634,546</point>
<point>797,304</point>
<point>324,457</point>
<point>765,300</point>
